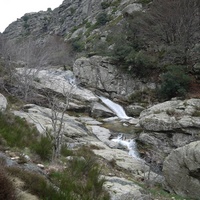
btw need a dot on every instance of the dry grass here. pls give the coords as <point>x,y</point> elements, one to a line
<point>7,189</point>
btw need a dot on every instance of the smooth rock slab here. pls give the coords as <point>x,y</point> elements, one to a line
<point>103,134</point>
<point>172,115</point>
<point>122,189</point>
<point>182,170</point>
<point>41,118</point>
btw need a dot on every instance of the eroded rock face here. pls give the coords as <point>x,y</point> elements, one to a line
<point>99,110</point>
<point>58,81</point>
<point>41,118</point>
<point>169,125</point>
<point>98,72</point>
<point>172,116</point>
<point>182,170</point>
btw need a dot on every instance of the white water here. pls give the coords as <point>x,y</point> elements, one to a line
<point>130,145</point>
<point>117,109</point>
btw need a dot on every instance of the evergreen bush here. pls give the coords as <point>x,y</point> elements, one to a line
<point>174,82</point>
<point>102,19</point>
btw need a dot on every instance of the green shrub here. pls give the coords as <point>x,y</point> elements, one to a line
<point>105,4</point>
<point>196,113</point>
<point>175,82</point>
<point>121,49</point>
<point>25,18</point>
<point>102,19</point>
<point>16,131</point>
<point>65,151</point>
<point>80,180</point>
<point>43,148</point>
<point>142,64</point>
<point>37,184</point>
<point>78,44</point>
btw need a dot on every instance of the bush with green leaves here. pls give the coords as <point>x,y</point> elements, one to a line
<point>133,60</point>
<point>37,184</point>
<point>43,147</point>
<point>105,4</point>
<point>81,179</point>
<point>142,63</point>
<point>78,44</point>
<point>174,82</point>
<point>102,19</point>
<point>16,131</point>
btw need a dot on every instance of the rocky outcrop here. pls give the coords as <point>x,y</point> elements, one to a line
<point>99,72</point>
<point>98,110</point>
<point>59,21</point>
<point>121,188</point>
<point>70,21</point>
<point>58,81</point>
<point>3,103</point>
<point>42,118</point>
<point>173,115</point>
<point>131,8</point>
<point>68,15</point>
<point>134,110</point>
<point>182,170</point>
<point>169,125</point>
<point>120,158</point>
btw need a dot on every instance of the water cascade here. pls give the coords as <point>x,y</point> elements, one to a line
<point>117,109</point>
<point>130,145</point>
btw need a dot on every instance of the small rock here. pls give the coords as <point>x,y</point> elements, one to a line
<point>41,166</point>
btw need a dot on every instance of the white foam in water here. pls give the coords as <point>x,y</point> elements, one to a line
<point>117,109</point>
<point>128,144</point>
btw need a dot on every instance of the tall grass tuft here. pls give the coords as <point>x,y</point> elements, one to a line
<point>7,189</point>
<point>16,131</point>
<point>37,184</point>
<point>81,179</point>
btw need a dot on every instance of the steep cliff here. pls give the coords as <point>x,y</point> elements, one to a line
<point>72,27</point>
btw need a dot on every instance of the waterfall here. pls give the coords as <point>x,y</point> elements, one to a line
<point>117,109</point>
<point>130,145</point>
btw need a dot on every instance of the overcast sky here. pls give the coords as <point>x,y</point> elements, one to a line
<point>10,10</point>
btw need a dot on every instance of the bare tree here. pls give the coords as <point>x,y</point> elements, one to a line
<point>173,23</point>
<point>57,117</point>
<point>176,21</point>
<point>27,53</point>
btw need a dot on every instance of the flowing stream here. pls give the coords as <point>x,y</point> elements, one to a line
<point>130,144</point>
<point>116,108</point>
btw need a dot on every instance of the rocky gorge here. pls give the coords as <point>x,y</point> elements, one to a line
<point>168,130</point>
<point>58,76</point>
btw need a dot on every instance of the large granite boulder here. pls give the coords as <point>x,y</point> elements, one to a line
<point>172,116</point>
<point>134,110</point>
<point>121,188</point>
<point>182,170</point>
<point>59,81</point>
<point>99,110</point>
<point>42,119</point>
<point>167,126</point>
<point>100,73</point>
<point>136,166</point>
